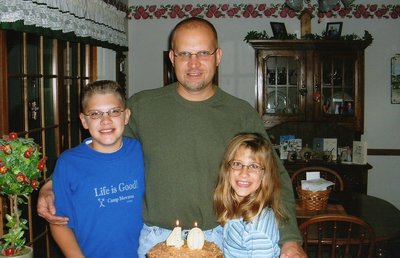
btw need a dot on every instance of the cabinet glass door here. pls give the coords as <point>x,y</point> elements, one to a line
<point>281,85</point>
<point>338,85</point>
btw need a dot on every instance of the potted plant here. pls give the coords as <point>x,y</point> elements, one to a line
<point>21,165</point>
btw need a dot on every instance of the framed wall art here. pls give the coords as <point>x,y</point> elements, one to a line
<point>395,81</point>
<point>333,30</point>
<point>278,29</point>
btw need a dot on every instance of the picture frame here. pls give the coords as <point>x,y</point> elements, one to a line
<point>359,152</point>
<point>395,79</point>
<point>333,30</point>
<point>278,29</point>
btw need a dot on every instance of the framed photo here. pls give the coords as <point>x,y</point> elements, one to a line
<point>333,30</point>
<point>395,82</point>
<point>278,29</point>
<point>359,152</point>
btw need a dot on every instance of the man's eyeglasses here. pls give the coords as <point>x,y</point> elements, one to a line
<point>97,114</point>
<point>202,55</point>
<point>252,168</point>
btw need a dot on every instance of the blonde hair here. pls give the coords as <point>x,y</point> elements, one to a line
<point>267,195</point>
<point>102,87</point>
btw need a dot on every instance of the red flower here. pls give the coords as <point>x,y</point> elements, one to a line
<point>342,13</point>
<point>188,7</point>
<point>13,136</point>
<point>28,153</point>
<point>20,178</point>
<point>283,14</point>
<point>361,8</point>
<point>292,13</point>
<point>378,13</point>
<point>261,7</point>
<point>41,166</point>
<point>397,9</point>
<point>9,251</point>
<point>3,169</point>
<point>268,12</point>
<point>225,7</point>
<point>34,184</point>
<point>7,149</point>
<point>357,14</point>
<point>152,8</point>
<point>366,14</point>
<point>373,7</point>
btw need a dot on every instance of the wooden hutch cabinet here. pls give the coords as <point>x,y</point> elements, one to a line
<point>313,89</point>
<point>304,80</point>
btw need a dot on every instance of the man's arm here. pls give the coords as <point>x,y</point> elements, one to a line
<point>292,249</point>
<point>45,205</point>
<point>66,240</point>
<point>290,236</point>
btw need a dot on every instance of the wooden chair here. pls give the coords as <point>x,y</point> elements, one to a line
<point>325,173</point>
<point>337,236</point>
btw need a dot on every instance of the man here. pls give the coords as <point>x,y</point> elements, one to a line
<point>184,128</point>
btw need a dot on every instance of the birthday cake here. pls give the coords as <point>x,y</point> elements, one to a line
<point>161,250</point>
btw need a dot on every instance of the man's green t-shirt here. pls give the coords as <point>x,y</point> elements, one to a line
<point>183,143</point>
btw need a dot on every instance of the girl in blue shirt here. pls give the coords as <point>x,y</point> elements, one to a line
<point>247,198</point>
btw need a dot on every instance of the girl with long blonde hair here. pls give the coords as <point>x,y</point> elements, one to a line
<point>247,198</point>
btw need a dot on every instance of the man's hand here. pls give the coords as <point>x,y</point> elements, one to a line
<point>292,249</point>
<point>45,205</point>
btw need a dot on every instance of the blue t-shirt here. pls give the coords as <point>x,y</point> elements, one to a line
<point>102,194</point>
<point>258,238</point>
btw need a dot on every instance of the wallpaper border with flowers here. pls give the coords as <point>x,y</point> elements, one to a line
<point>262,10</point>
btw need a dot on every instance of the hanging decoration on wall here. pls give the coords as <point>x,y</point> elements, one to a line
<point>323,5</point>
<point>395,79</point>
<point>285,9</point>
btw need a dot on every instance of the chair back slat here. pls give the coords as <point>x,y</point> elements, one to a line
<point>337,235</point>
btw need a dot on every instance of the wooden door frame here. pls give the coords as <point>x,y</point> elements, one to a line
<point>3,103</point>
<point>3,84</point>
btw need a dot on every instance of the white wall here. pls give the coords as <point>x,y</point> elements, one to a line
<point>148,39</point>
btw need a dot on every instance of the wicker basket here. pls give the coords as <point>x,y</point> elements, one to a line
<point>310,200</point>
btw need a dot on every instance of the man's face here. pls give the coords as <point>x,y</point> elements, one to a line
<point>195,73</point>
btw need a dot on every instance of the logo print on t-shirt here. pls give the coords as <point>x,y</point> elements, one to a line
<point>101,201</point>
<point>124,192</point>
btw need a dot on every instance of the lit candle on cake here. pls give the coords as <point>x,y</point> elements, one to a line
<point>175,238</point>
<point>195,238</point>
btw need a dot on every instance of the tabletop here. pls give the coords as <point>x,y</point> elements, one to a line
<point>383,216</point>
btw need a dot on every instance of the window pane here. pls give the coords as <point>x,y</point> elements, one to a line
<point>14,52</point>
<point>15,104</point>
<point>48,57</point>
<point>32,52</point>
<point>49,93</point>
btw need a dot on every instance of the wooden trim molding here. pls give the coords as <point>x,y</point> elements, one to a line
<point>260,10</point>
<point>384,152</point>
<point>3,84</point>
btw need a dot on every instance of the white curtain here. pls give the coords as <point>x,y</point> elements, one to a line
<point>85,18</point>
